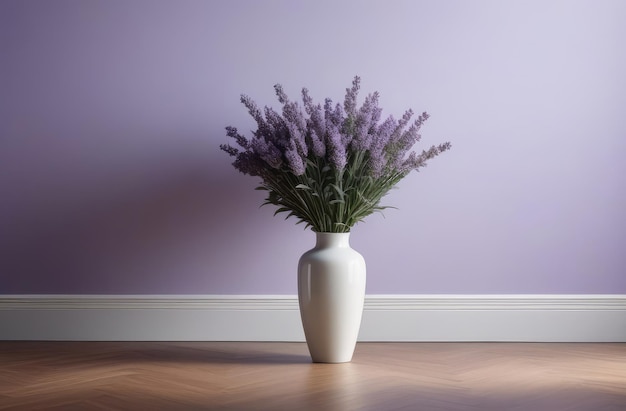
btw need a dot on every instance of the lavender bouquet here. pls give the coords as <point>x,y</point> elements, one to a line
<point>331,167</point>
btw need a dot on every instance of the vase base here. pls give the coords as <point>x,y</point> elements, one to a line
<point>326,359</point>
<point>331,362</point>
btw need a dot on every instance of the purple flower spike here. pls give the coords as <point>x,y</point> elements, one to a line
<point>336,148</point>
<point>349,103</point>
<point>316,125</point>
<point>365,123</point>
<point>378,156</point>
<point>268,152</point>
<point>241,140</point>
<point>294,121</point>
<point>294,160</point>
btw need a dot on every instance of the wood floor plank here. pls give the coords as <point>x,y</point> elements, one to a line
<point>280,376</point>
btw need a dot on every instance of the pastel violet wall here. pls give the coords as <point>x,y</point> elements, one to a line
<point>111,114</point>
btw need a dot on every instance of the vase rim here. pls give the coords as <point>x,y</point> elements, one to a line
<point>331,234</point>
<point>325,239</point>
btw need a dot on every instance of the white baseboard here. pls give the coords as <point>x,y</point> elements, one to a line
<point>532,318</point>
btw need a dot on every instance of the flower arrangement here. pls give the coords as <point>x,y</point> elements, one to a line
<point>331,167</point>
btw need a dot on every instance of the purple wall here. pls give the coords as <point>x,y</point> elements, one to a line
<point>111,113</point>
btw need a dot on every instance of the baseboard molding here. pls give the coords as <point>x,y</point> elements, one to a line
<point>532,318</point>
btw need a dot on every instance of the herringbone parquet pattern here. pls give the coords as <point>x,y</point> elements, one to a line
<point>280,376</point>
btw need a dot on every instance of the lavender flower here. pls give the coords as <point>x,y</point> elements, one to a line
<point>407,140</point>
<point>395,137</point>
<point>351,95</point>
<point>294,160</point>
<point>331,167</point>
<point>316,125</point>
<point>268,152</point>
<point>248,163</point>
<point>334,116</point>
<point>294,121</point>
<point>229,149</point>
<point>365,123</point>
<point>378,158</point>
<point>415,162</point>
<point>316,135</point>
<point>256,115</point>
<point>337,154</point>
<point>241,140</point>
<point>275,124</point>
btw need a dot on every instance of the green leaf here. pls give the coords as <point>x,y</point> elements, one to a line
<point>282,210</point>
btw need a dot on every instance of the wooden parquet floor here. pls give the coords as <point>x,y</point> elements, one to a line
<point>280,376</point>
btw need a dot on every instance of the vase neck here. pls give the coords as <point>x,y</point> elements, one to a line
<point>332,240</point>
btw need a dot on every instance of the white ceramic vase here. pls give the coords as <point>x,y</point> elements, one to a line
<point>331,292</point>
